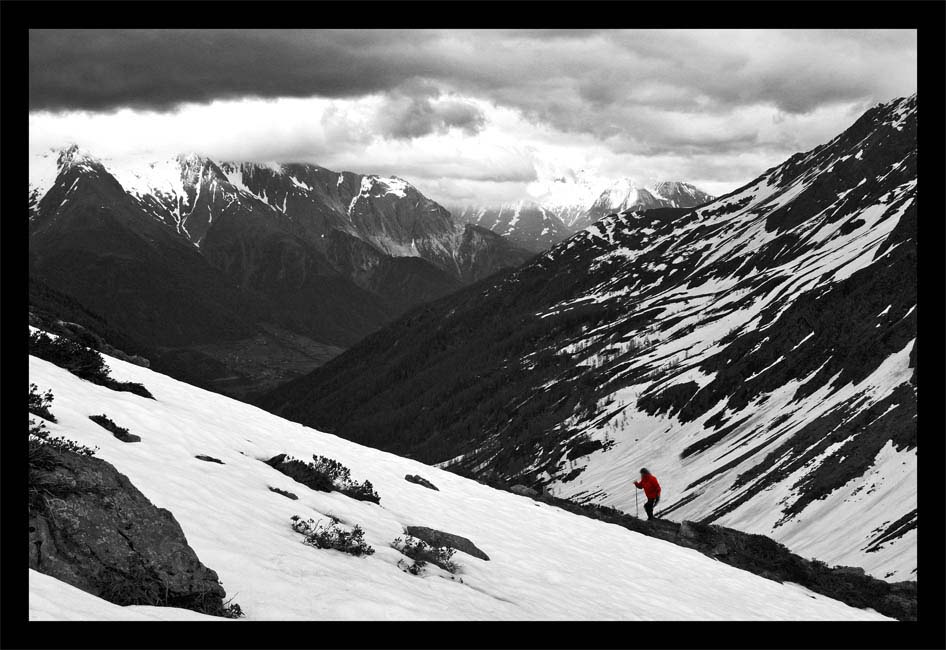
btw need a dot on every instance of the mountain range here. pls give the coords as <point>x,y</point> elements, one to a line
<point>238,276</point>
<point>572,206</point>
<point>757,353</point>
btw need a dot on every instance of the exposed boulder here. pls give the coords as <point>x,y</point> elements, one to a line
<point>523,490</point>
<point>209,459</point>
<point>439,538</point>
<point>285,493</point>
<point>90,527</point>
<point>420,480</point>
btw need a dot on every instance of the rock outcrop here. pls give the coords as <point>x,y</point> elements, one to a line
<point>420,480</point>
<point>436,537</point>
<point>90,527</point>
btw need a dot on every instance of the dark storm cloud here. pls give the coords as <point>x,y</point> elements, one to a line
<point>95,70</point>
<point>101,70</point>
<point>416,109</point>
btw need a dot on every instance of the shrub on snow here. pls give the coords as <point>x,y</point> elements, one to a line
<point>332,536</point>
<point>421,553</point>
<point>81,361</point>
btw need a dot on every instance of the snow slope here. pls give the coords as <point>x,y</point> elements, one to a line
<point>55,600</point>
<point>544,563</point>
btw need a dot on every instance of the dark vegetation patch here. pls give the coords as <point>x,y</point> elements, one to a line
<point>59,313</point>
<point>420,480</point>
<point>209,459</point>
<point>706,442</point>
<point>119,432</point>
<point>39,403</point>
<point>897,529</point>
<point>728,207</point>
<point>582,446</point>
<point>669,400</point>
<point>850,226</point>
<point>572,475</point>
<point>324,475</point>
<point>285,493</point>
<point>81,361</point>
<point>421,553</point>
<point>42,447</point>
<point>332,536</point>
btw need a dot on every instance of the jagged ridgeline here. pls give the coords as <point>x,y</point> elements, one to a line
<point>538,225</point>
<point>238,276</point>
<point>758,353</point>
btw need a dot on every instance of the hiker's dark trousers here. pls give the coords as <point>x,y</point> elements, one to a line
<point>650,505</point>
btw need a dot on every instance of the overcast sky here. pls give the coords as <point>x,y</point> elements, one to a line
<point>467,116</point>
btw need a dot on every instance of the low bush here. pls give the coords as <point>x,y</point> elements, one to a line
<point>64,352</point>
<point>325,475</point>
<point>41,444</point>
<point>42,447</point>
<point>81,361</point>
<point>332,536</point>
<point>340,477</point>
<point>421,553</point>
<point>232,610</point>
<point>40,403</point>
<point>119,432</point>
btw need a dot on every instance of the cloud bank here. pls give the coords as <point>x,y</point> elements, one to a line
<point>468,115</point>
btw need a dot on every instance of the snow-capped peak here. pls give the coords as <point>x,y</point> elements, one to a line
<point>161,177</point>
<point>385,185</point>
<point>45,167</point>
<point>622,194</point>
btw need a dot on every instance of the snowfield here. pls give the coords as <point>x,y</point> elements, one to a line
<point>545,563</point>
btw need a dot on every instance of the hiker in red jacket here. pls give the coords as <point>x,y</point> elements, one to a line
<point>651,488</point>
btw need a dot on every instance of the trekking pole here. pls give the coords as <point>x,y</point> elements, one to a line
<point>637,512</point>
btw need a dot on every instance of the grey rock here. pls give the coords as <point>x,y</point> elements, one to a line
<point>209,459</point>
<point>524,490</point>
<point>91,528</point>
<point>285,493</point>
<point>436,537</point>
<point>420,480</point>
<point>687,530</point>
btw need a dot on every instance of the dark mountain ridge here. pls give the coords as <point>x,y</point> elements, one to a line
<point>759,351</point>
<point>211,269</point>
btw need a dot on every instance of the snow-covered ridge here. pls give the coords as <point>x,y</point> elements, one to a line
<point>545,563</point>
<point>709,304</point>
<point>578,203</point>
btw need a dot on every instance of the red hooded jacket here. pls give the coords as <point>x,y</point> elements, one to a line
<point>650,485</point>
